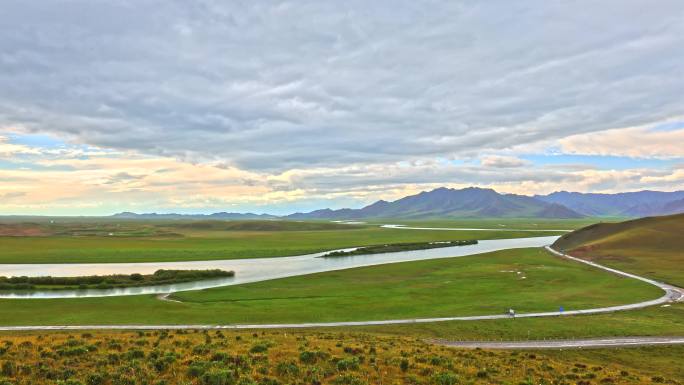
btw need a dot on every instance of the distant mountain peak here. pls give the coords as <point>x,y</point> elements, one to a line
<point>446,202</point>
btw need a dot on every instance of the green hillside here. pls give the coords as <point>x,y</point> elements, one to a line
<point>651,246</point>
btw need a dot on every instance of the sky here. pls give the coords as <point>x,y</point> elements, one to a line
<point>283,106</point>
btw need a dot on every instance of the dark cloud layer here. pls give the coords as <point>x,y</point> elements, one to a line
<point>274,85</point>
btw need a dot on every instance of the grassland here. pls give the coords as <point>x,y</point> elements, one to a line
<point>652,247</point>
<point>653,321</point>
<point>246,358</point>
<point>191,241</point>
<point>474,285</point>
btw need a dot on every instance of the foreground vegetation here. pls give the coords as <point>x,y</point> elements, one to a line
<point>155,241</point>
<point>396,247</point>
<point>160,277</point>
<point>245,358</point>
<point>525,279</point>
<point>649,246</point>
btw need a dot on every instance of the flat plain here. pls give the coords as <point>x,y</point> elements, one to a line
<point>164,241</point>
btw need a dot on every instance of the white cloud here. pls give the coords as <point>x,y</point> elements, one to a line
<point>499,161</point>
<point>9,150</point>
<point>636,142</point>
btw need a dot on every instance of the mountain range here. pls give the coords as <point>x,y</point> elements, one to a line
<point>628,204</point>
<point>450,203</point>
<point>474,202</point>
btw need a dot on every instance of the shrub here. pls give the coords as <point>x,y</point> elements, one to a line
<point>136,277</point>
<point>135,353</point>
<point>217,377</point>
<point>259,348</point>
<point>9,369</point>
<point>348,364</point>
<point>197,369</point>
<point>220,357</point>
<point>404,365</point>
<point>287,369</point>
<point>95,379</point>
<point>160,365</point>
<point>445,378</point>
<point>201,350</point>
<point>72,351</point>
<point>268,381</point>
<point>347,379</point>
<point>69,382</point>
<point>246,381</point>
<point>309,357</point>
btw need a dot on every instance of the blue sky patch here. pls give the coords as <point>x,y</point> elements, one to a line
<point>602,162</point>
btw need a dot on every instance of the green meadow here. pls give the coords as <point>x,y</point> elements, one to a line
<point>651,321</point>
<point>527,280</point>
<point>145,241</point>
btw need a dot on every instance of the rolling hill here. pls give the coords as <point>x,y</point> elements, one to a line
<point>450,203</point>
<point>653,247</point>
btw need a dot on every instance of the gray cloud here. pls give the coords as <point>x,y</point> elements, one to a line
<point>123,177</point>
<point>274,85</point>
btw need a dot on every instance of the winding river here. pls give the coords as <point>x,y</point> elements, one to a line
<point>246,270</point>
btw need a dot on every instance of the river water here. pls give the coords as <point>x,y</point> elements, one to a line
<point>246,270</point>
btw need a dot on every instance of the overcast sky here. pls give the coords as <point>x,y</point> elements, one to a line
<point>278,106</point>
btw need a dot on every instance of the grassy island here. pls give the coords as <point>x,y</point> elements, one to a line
<point>160,277</point>
<point>396,247</point>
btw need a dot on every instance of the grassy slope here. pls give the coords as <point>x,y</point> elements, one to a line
<point>466,286</point>
<point>210,244</point>
<point>649,246</point>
